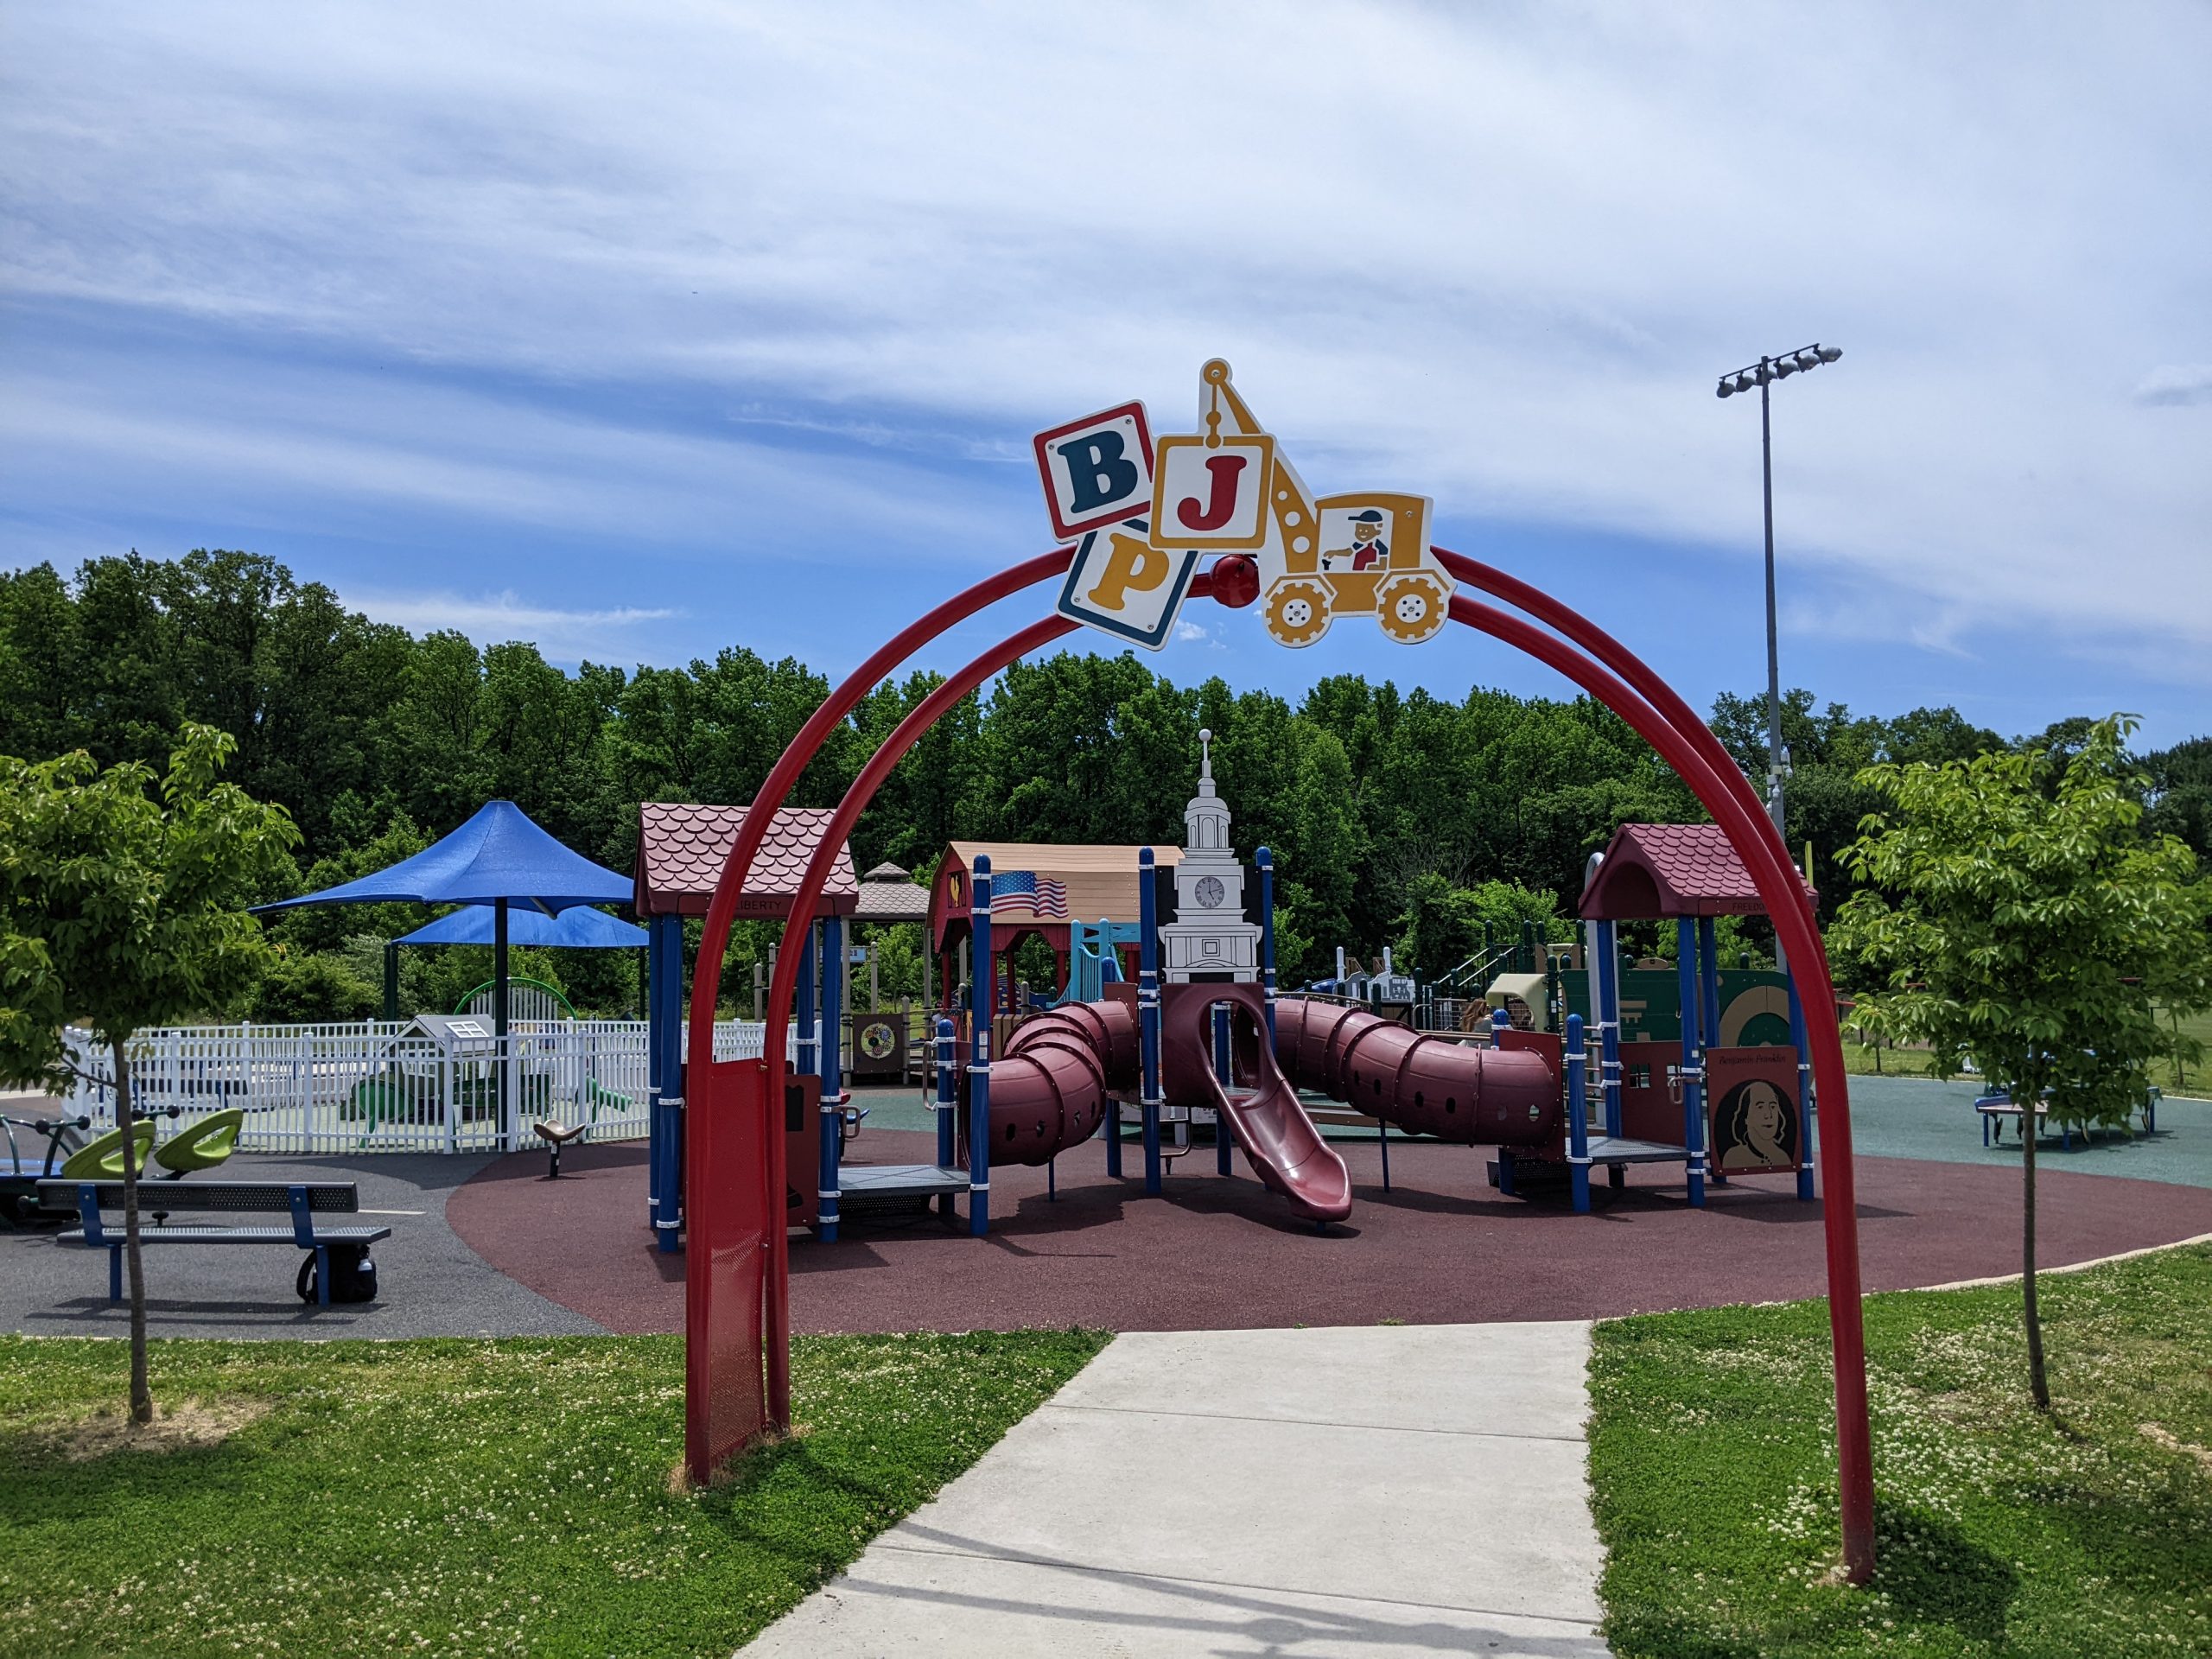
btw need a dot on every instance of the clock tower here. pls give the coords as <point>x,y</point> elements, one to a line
<point>1209,941</point>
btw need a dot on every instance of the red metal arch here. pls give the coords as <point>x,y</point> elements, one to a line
<point>738,1274</point>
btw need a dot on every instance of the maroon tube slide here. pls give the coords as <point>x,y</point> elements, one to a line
<point>1279,1142</point>
<point>1423,1084</point>
<point>1050,1088</point>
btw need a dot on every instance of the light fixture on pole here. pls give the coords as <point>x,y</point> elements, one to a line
<point>1763,374</point>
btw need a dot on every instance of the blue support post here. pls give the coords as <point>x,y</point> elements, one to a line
<point>1109,1122</point>
<point>1578,1116</point>
<point>665,1052</point>
<point>1500,1023</point>
<point>947,1102</point>
<point>832,1074</point>
<point>945,1096</point>
<point>1692,1067</point>
<point>1607,972</point>
<point>1225,1072</point>
<point>805,1001</point>
<point>1148,1018</point>
<point>1109,1125</point>
<point>1798,1041</point>
<point>655,1129</point>
<point>985,1001</point>
<point>1708,981</point>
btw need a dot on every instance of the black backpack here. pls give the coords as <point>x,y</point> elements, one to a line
<point>353,1275</point>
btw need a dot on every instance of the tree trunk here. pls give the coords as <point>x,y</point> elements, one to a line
<point>2039,1385</point>
<point>142,1393</point>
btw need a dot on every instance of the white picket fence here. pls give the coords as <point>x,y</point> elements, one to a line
<point>377,1086</point>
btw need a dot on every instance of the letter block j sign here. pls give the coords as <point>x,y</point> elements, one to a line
<point>1121,583</point>
<point>1212,493</point>
<point>1097,471</point>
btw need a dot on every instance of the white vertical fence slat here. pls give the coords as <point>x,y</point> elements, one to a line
<point>378,1086</point>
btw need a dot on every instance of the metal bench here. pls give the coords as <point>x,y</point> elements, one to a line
<point>1993,1109</point>
<point>302,1200</point>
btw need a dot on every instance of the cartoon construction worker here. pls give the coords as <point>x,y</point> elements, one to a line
<point>1367,548</point>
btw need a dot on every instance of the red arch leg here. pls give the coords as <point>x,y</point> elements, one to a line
<point>1784,894</point>
<point>776,1301</point>
<point>731,1235</point>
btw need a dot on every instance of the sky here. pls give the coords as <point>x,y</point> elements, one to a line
<point>639,332</point>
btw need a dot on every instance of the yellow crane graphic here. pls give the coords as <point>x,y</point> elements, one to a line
<point>1361,553</point>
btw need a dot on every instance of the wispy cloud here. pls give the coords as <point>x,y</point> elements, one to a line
<point>367,265</point>
<point>565,636</point>
<point>2177,383</point>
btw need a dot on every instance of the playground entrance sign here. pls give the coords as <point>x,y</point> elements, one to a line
<point>1144,511</point>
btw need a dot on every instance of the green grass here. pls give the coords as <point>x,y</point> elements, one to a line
<point>457,1496</point>
<point>2000,1532</point>
<point>1859,1059</point>
<point>2194,1078</point>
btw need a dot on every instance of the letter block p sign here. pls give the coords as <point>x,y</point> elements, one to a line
<point>1122,584</point>
<point>1098,470</point>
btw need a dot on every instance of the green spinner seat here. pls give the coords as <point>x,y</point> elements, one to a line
<point>202,1145</point>
<point>101,1158</point>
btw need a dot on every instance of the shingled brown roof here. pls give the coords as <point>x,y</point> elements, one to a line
<point>889,894</point>
<point>1670,869</point>
<point>681,847</point>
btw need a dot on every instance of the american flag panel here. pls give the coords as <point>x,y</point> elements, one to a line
<point>1024,893</point>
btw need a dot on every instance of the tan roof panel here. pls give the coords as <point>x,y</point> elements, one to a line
<point>1101,881</point>
<point>1048,858</point>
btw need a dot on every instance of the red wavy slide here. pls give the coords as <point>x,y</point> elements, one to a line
<point>1281,1142</point>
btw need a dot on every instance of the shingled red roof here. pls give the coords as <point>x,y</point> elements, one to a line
<point>681,847</point>
<point>1670,869</point>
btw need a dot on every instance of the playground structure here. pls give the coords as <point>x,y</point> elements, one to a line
<point>737,1283</point>
<point>1203,1037</point>
<point>1209,1035</point>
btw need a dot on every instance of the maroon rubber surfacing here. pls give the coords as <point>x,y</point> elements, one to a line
<point>1442,1247</point>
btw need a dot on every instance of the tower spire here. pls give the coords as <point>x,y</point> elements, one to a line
<point>1205,761</point>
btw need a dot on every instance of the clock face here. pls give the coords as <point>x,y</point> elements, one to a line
<point>1208,892</point>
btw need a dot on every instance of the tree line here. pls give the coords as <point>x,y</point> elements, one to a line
<point>1380,805</point>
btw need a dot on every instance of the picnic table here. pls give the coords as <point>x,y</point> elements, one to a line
<point>1994,1109</point>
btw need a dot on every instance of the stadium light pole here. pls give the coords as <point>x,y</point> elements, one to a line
<point>1763,374</point>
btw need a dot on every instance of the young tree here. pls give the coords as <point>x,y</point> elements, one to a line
<point>2017,914</point>
<point>122,908</point>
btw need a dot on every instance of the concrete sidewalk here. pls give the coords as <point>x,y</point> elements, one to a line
<point>1377,1491</point>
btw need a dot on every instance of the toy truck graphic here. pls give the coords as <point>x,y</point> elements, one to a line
<point>1361,553</point>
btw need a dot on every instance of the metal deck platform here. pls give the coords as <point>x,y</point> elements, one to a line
<point>1609,1149</point>
<point>898,1181</point>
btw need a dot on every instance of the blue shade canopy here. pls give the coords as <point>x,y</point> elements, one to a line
<point>578,928</point>
<point>498,853</point>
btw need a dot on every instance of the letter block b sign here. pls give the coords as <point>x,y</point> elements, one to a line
<point>1097,471</point>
